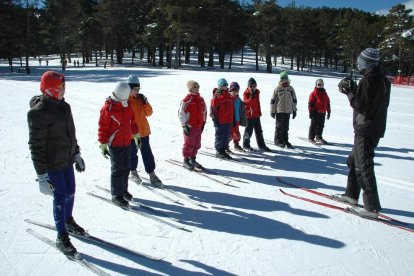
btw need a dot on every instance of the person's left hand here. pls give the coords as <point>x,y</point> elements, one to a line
<point>79,163</point>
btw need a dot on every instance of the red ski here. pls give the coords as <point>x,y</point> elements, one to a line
<point>349,211</point>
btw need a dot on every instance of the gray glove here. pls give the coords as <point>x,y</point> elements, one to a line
<point>45,185</point>
<point>104,150</point>
<point>79,163</point>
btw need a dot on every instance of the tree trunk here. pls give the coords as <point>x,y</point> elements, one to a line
<point>231,59</point>
<point>211,58</point>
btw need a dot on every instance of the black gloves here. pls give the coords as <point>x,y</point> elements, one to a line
<point>294,114</point>
<point>329,115</point>
<point>347,85</point>
<point>186,130</point>
<point>79,163</point>
<point>202,127</point>
<point>273,115</point>
<point>143,98</point>
<point>311,114</point>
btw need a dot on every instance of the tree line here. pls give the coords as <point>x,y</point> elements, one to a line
<point>164,32</point>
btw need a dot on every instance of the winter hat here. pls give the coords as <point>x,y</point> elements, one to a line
<point>368,58</point>
<point>319,83</point>
<point>222,82</point>
<point>234,86</point>
<point>121,93</point>
<point>251,81</point>
<point>192,84</point>
<point>133,81</point>
<point>51,82</point>
<point>284,75</point>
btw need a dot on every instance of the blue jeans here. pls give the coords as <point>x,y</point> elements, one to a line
<point>63,196</point>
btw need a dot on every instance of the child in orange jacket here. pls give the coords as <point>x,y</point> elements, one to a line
<point>142,109</point>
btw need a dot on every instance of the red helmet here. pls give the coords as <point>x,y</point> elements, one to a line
<point>51,83</point>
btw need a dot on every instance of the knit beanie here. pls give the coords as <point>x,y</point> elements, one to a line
<point>222,82</point>
<point>192,84</point>
<point>121,93</point>
<point>234,86</point>
<point>283,75</point>
<point>368,58</point>
<point>51,82</point>
<point>133,81</point>
<point>251,81</point>
<point>319,83</point>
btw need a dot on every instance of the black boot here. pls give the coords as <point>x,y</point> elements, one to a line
<point>127,196</point>
<point>120,201</point>
<point>195,164</point>
<point>73,227</point>
<point>63,244</point>
<point>187,164</point>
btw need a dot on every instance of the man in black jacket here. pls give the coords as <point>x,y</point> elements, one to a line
<point>54,150</point>
<point>369,100</point>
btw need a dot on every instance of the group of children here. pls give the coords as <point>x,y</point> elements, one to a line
<point>228,112</point>
<point>124,128</point>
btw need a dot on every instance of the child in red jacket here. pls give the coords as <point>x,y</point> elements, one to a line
<point>318,106</point>
<point>222,112</point>
<point>253,113</point>
<point>116,127</point>
<point>192,115</point>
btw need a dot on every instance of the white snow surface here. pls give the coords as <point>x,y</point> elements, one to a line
<point>247,228</point>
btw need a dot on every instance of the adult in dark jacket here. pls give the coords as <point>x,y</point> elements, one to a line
<point>54,150</point>
<point>369,100</point>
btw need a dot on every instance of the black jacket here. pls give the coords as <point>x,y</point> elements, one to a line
<point>52,139</point>
<point>370,103</point>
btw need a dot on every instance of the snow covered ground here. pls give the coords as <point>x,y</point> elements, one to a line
<point>247,228</point>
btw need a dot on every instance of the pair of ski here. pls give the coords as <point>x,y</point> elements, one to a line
<point>382,218</point>
<point>77,257</point>
<point>203,172</point>
<point>240,160</point>
<point>166,188</point>
<point>135,209</point>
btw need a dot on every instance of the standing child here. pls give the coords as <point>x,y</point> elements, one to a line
<point>239,116</point>
<point>318,106</point>
<point>282,104</point>
<point>222,112</point>
<point>116,127</point>
<point>54,149</point>
<point>192,115</point>
<point>142,109</point>
<point>251,99</point>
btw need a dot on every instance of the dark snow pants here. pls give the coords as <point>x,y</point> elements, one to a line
<point>361,172</point>
<point>120,167</point>
<point>253,124</point>
<point>282,128</point>
<point>63,196</point>
<point>316,126</point>
<point>222,135</point>
<point>146,154</point>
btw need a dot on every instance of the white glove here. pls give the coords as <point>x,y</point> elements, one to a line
<point>137,138</point>
<point>45,185</point>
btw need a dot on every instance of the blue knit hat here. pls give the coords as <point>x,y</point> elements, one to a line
<point>368,58</point>
<point>133,81</point>
<point>234,86</point>
<point>222,82</point>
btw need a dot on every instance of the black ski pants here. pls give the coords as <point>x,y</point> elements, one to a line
<point>253,124</point>
<point>120,167</point>
<point>316,126</point>
<point>361,172</point>
<point>282,128</point>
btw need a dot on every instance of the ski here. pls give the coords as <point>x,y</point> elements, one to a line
<point>138,212</point>
<point>137,203</point>
<point>77,257</point>
<point>155,190</point>
<point>202,174</point>
<point>89,238</point>
<point>349,211</point>
<point>240,160</point>
<point>208,171</point>
<point>241,153</point>
<point>334,199</point>
<point>177,194</point>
